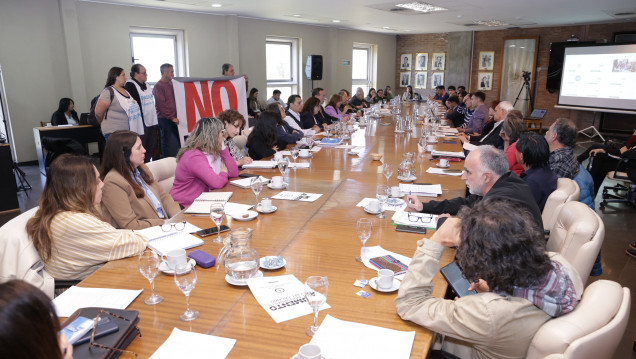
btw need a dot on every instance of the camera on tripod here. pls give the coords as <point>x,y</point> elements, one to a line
<point>526,75</point>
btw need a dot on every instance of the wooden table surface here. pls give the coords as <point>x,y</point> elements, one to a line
<point>317,238</point>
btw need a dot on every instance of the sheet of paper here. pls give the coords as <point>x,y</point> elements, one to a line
<point>284,153</point>
<point>75,298</point>
<point>385,207</point>
<point>345,146</point>
<point>440,171</point>
<point>260,164</point>
<point>156,231</point>
<point>343,339</point>
<point>432,190</point>
<point>202,203</point>
<point>198,346</point>
<point>427,220</point>
<point>376,251</point>
<point>297,196</point>
<point>245,182</point>
<point>235,208</point>
<point>469,146</point>
<point>299,165</point>
<point>459,154</point>
<point>282,297</point>
<point>449,130</point>
<point>316,148</point>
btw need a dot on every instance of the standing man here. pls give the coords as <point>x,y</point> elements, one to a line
<point>167,112</point>
<point>139,91</point>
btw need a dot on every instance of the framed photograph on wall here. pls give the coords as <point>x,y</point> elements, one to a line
<point>405,79</point>
<point>484,80</point>
<point>437,79</point>
<point>486,60</point>
<point>405,62</point>
<point>421,61</point>
<point>420,80</point>
<point>439,61</point>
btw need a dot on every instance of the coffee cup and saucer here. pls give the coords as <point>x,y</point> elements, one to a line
<point>277,183</point>
<point>443,163</point>
<point>172,259</point>
<point>385,281</point>
<point>266,206</point>
<point>373,207</point>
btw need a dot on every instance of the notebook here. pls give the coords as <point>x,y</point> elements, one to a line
<point>202,203</point>
<point>245,182</point>
<point>163,242</point>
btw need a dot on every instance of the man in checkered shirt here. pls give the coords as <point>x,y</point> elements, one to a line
<point>561,138</point>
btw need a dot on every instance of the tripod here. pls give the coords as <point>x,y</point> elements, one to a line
<point>526,86</point>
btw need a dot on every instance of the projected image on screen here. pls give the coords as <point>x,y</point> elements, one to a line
<point>599,78</point>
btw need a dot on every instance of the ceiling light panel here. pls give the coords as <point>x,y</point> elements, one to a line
<point>421,7</point>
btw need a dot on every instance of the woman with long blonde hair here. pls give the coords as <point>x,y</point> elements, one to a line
<point>203,163</point>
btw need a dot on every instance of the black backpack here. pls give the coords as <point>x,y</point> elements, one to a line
<point>92,119</point>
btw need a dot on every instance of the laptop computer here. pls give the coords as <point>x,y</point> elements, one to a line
<point>537,114</point>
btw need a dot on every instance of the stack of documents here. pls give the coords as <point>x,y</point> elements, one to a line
<point>203,202</point>
<point>430,190</point>
<point>444,171</point>
<point>163,242</point>
<point>297,196</point>
<point>459,154</point>
<point>416,219</point>
<point>260,164</point>
<point>330,142</point>
<point>245,182</point>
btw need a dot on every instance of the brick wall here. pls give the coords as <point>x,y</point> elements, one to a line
<point>413,44</point>
<point>493,40</point>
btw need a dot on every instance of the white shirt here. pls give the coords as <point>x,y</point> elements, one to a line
<point>291,122</point>
<point>273,100</point>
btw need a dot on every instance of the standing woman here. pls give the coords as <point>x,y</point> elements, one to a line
<point>263,140</point>
<point>65,114</point>
<point>234,122</point>
<point>253,108</point>
<point>203,163</point>
<point>116,109</point>
<point>132,199</point>
<point>68,230</point>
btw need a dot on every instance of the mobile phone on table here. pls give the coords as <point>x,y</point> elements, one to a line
<point>212,230</point>
<point>248,175</point>
<point>410,229</point>
<point>454,276</point>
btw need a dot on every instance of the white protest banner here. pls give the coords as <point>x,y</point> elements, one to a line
<point>206,97</point>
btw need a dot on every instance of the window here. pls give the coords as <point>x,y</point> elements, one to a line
<point>362,67</point>
<point>281,57</point>
<point>155,47</point>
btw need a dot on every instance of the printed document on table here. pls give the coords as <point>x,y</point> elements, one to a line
<point>385,207</point>
<point>376,251</point>
<point>459,154</point>
<point>246,182</point>
<point>260,164</point>
<point>198,346</point>
<point>297,196</point>
<point>469,146</point>
<point>163,242</point>
<point>444,171</point>
<point>282,297</point>
<point>429,190</point>
<point>75,298</point>
<point>299,165</point>
<point>343,339</point>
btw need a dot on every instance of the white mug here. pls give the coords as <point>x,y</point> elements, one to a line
<point>304,152</point>
<point>277,181</point>
<point>309,351</point>
<point>430,148</point>
<point>266,204</point>
<point>174,258</point>
<point>374,205</point>
<point>443,162</point>
<point>385,279</point>
<point>395,191</point>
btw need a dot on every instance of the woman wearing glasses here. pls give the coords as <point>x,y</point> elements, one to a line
<point>203,163</point>
<point>68,230</point>
<point>132,198</point>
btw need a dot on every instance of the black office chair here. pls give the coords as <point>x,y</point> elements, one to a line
<point>57,146</point>
<point>624,185</point>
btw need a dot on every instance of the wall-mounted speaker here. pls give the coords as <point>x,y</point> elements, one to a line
<point>313,68</point>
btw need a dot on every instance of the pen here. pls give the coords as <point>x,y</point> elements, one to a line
<point>410,200</point>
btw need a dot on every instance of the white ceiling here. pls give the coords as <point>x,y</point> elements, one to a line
<point>377,15</point>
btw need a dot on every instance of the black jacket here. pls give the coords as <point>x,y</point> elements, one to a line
<point>59,118</point>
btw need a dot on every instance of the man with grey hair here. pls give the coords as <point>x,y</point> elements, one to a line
<point>486,175</point>
<point>490,134</point>
<point>561,138</point>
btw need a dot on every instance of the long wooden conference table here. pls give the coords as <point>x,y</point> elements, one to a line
<point>315,238</point>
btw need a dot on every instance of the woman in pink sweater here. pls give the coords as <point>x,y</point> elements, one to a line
<point>203,163</point>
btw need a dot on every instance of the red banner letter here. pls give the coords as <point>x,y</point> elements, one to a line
<point>193,99</point>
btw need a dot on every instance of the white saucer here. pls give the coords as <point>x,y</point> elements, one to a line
<point>241,283</point>
<point>373,284</point>
<point>240,218</point>
<point>310,156</point>
<point>259,209</point>
<point>410,179</point>
<point>366,209</point>
<point>395,201</point>
<point>263,260</point>
<point>163,267</point>
<point>399,131</point>
<point>440,166</point>
<point>271,186</point>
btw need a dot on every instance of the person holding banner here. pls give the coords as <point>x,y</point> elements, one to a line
<point>167,112</point>
<point>203,163</point>
<point>116,109</point>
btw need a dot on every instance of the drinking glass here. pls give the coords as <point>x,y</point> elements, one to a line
<point>382,194</point>
<point>388,172</point>
<point>316,289</point>
<point>421,144</point>
<point>185,277</point>
<point>257,186</point>
<point>294,153</point>
<point>283,166</point>
<point>364,228</point>
<point>217,212</point>
<point>149,262</point>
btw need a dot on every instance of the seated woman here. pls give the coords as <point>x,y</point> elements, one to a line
<point>253,107</point>
<point>65,114</point>
<point>333,107</point>
<point>606,158</point>
<point>286,134</point>
<point>533,153</point>
<point>68,230</point>
<point>262,141</point>
<point>308,116</point>
<point>408,94</point>
<point>380,96</point>
<point>370,98</point>
<point>30,326</point>
<point>234,122</point>
<point>203,163</point>
<point>132,199</point>
<point>388,93</point>
<point>511,129</point>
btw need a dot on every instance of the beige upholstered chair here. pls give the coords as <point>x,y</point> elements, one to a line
<point>241,140</point>
<point>163,171</point>
<point>567,190</point>
<point>18,257</point>
<point>592,331</point>
<point>577,235</point>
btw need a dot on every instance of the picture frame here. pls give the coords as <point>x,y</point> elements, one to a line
<point>405,62</point>
<point>486,60</point>
<point>421,61</point>
<point>484,81</point>
<point>438,61</point>
<point>405,79</point>
<point>420,80</point>
<point>437,79</point>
